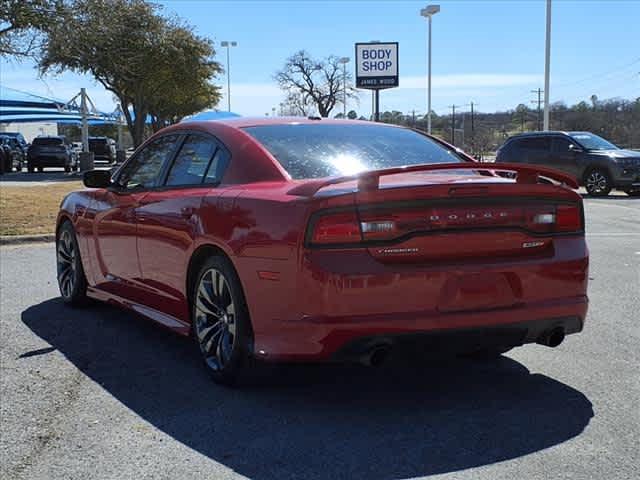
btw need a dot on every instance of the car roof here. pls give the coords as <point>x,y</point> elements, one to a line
<point>539,134</point>
<point>242,122</point>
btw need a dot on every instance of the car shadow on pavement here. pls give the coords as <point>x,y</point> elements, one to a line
<point>395,421</point>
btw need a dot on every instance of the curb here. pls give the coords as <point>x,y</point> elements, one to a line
<point>20,239</point>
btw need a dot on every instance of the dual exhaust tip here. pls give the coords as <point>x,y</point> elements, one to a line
<point>377,355</point>
<point>552,338</point>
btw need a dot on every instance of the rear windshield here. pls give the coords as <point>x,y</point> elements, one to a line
<point>48,142</point>
<point>315,151</point>
<point>97,141</point>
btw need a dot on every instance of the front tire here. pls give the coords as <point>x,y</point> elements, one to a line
<point>221,325</point>
<point>71,278</point>
<point>598,183</point>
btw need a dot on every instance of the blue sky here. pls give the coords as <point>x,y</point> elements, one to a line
<point>488,52</point>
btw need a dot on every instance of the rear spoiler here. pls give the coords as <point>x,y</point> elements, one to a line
<point>370,180</point>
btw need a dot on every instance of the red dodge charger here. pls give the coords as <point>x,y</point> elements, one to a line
<point>313,239</point>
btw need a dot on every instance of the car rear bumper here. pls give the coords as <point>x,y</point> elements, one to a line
<point>329,338</point>
<point>458,340</point>
<point>51,160</point>
<point>345,297</point>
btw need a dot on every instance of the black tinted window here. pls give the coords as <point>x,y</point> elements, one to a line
<point>314,151</point>
<point>190,166</point>
<point>560,145</point>
<point>144,169</point>
<point>535,143</point>
<point>47,141</point>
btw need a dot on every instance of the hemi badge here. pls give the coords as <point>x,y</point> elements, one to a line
<point>532,244</point>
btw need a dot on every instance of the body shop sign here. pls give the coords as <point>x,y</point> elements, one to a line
<point>376,65</point>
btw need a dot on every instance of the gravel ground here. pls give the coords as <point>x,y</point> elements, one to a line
<point>99,393</point>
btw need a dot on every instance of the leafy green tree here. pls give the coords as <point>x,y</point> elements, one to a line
<point>352,115</point>
<point>22,23</point>
<point>174,95</point>
<point>155,66</point>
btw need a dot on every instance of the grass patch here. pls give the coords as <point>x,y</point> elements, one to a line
<point>32,209</point>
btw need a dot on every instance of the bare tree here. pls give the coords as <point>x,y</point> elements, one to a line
<point>296,104</point>
<point>318,81</point>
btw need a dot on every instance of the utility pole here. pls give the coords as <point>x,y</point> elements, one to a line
<point>84,112</point>
<point>473,130</point>
<point>539,91</point>
<point>547,62</point>
<point>453,124</point>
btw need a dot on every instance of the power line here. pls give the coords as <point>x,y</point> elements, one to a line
<point>607,73</point>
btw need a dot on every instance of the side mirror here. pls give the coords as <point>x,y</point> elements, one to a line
<point>574,148</point>
<point>97,178</point>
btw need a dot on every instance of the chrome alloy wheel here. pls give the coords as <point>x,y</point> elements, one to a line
<point>215,319</point>
<point>66,258</point>
<point>596,182</point>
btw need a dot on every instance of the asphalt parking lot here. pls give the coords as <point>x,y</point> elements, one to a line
<point>99,393</point>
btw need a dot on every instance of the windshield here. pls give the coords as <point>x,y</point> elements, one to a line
<point>316,151</point>
<point>592,142</point>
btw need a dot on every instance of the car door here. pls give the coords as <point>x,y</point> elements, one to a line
<point>168,220</point>
<point>565,155</point>
<point>537,150</point>
<point>115,229</point>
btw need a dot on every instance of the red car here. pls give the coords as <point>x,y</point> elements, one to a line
<point>317,240</point>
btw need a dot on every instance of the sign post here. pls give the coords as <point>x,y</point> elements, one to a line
<point>377,69</point>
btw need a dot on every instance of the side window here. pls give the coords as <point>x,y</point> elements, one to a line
<point>190,165</point>
<point>560,145</point>
<point>144,170</point>
<point>218,166</point>
<point>537,143</point>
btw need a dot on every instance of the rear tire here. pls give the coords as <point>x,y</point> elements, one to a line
<point>72,281</point>
<point>598,182</point>
<point>220,323</point>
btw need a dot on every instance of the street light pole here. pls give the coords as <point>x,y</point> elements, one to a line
<point>344,61</point>
<point>228,45</point>
<point>429,12</point>
<point>547,61</point>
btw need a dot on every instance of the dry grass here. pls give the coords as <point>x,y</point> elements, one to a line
<point>32,209</point>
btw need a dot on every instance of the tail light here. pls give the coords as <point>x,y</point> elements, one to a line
<point>337,228</point>
<point>569,218</point>
<point>384,224</point>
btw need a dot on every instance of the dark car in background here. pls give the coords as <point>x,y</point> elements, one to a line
<point>51,151</point>
<point>597,164</point>
<point>19,138</point>
<point>12,155</point>
<point>103,148</point>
